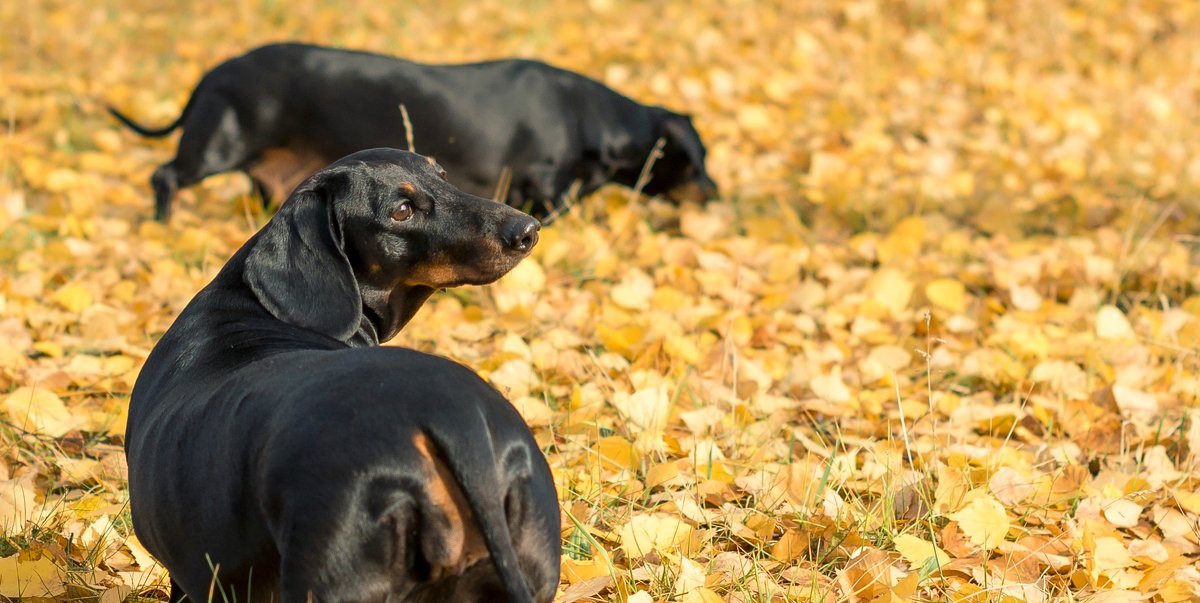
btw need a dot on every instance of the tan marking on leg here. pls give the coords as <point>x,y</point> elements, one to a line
<point>463,541</point>
<point>281,170</point>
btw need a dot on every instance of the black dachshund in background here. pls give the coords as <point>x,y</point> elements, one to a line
<point>518,127</point>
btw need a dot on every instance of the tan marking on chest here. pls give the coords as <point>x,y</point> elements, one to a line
<point>462,543</point>
<point>281,170</point>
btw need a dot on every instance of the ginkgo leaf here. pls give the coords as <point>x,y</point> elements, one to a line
<point>39,410</point>
<point>1187,500</point>
<point>701,595</point>
<point>634,291</point>
<point>1010,486</point>
<point>1140,404</point>
<point>534,410</point>
<point>116,594</point>
<point>515,378</point>
<point>1123,513</point>
<point>1025,298</point>
<point>640,596</point>
<point>918,551</point>
<point>661,473</point>
<point>831,387</point>
<point>18,505</point>
<point>576,571</point>
<point>951,489</point>
<point>520,287</point>
<point>31,576</point>
<point>948,294</point>
<point>646,411</point>
<point>73,297</point>
<point>1112,324</point>
<point>1109,555</point>
<point>891,289</point>
<point>905,240</point>
<point>1149,550</point>
<point>691,576</point>
<point>652,532</point>
<point>983,521</point>
<point>790,546</point>
<point>616,452</point>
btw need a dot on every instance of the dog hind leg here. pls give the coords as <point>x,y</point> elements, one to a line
<point>213,141</point>
<point>315,562</point>
<point>176,594</point>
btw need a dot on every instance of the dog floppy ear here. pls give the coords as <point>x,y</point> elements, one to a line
<point>298,268</point>
<point>678,130</point>
<point>619,150</point>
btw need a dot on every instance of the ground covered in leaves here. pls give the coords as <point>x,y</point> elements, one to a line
<point>938,340</point>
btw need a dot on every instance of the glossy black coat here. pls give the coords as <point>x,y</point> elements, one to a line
<point>271,438</point>
<point>281,110</point>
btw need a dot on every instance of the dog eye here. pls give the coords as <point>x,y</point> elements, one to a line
<point>402,213</point>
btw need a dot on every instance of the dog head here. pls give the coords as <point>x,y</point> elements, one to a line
<point>365,241</point>
<point>679,174</point>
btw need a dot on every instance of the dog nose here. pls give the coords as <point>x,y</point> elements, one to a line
<point>520,233</point>
<point>708,188</point>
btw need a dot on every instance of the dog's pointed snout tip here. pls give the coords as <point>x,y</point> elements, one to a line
<point>521,234</point>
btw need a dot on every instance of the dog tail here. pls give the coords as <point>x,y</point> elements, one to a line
<point>145,131</point>
<point>477,479</point>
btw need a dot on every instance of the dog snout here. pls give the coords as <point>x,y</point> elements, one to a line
<point>698,190</point>
<point>520,233</point>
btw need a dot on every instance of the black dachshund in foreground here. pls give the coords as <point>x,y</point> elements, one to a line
<point>281,111</point>
<point>276,452</point>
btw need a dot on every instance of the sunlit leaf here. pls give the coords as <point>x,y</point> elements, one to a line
<point>983,521</point>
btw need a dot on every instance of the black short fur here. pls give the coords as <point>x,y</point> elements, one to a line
<point>281,110</point>
<point>270,437</point>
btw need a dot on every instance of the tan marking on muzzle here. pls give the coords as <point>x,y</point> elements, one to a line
<point>463,542</point>
<point>281,170</point>
<point>439,271</point>
<point>436,272</point>
<point>688,191</point>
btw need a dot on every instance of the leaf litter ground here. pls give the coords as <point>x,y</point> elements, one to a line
<point>940,339</point>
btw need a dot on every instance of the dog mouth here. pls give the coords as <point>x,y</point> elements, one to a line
<point>500,265</point>
<point>697,190</point>
<point>491,265</point>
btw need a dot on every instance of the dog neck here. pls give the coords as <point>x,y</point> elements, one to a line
<point>386,311</point>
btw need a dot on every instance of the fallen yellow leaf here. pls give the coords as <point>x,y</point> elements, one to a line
<point>947,294</point>
<point>983,521</point>
<point>31,575</point>
<point>40,411</point>
<point>648,532</point>
<point>73,297</point>
<point>618,453</point>
<point>918,551</point>
<point>1111,324</point>
<point>577,571</point>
